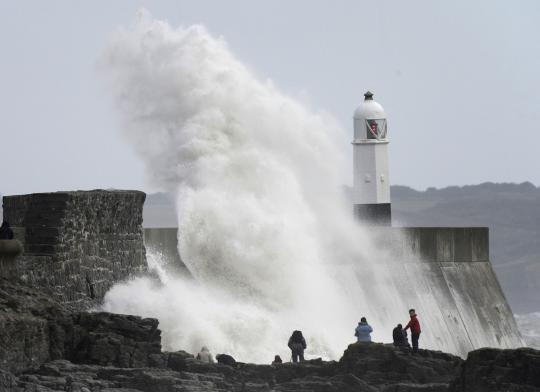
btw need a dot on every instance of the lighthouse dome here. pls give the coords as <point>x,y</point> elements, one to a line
<point>369,109</point>
<point>369,120</point>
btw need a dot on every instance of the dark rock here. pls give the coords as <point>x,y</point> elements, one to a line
<point>404,387</point>
<point>8,382</point>
<point>35,329</point>
<point>24,327</point>
<point>493,370</point>
<point>178,360</point>
<point>339,383</point>
<point>158,360</point>
<point>380,364</point>
<point>115,340</point>
<point>318,376</point>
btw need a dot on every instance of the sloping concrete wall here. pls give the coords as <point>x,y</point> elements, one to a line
<point>461,306</point>
<point>163,242</point>
<point>445,274</point>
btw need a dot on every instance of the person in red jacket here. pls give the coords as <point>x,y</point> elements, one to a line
<point>414,325</point>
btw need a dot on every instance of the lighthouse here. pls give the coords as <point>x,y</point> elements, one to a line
<point>371,185</point>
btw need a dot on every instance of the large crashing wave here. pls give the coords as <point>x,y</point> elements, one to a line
<point>261,218</point>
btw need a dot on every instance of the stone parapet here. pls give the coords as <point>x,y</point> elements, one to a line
<point>435,244</point>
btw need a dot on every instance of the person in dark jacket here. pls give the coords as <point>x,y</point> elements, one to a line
<point>400,336</point>
<point>414,325</point>
<point>226,359</point>
<point>277,360</point>
<point>297,344</point>
<point>5,231</point>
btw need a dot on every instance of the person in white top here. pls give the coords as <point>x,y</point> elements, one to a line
<point>205,356</point>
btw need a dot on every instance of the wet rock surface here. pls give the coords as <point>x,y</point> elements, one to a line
<point>427,372</point>
<point>495,370</point>
<point>35,329</point>
<point>45,346</point>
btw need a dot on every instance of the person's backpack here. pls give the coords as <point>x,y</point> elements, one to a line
<point>297,337</point>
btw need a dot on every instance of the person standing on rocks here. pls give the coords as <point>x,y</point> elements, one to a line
<point>297,344</point>
<point>205,356</point>
<point>414,325</point>
<point>363,331</point>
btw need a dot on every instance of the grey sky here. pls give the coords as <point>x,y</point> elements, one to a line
<point>459,81</point>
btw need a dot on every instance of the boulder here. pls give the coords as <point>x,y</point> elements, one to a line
<point>382,365</point>
<point>35,329</point>
<point>494,370</point>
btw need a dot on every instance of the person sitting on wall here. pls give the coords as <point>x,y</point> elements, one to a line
<point>226,359</point>
<point>277,360</point>
<point>400,336</point>
<point>204,355</point>
<point>414,325</point>
<point>363,331</point>
<point>297,344</point>
<point>5,231</point>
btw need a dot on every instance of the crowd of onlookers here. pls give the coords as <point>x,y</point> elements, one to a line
<point>297,342</point>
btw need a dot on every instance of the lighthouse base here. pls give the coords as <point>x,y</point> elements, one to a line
<point>374,214</point>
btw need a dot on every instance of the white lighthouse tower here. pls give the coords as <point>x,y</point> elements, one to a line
<point>371,185</point>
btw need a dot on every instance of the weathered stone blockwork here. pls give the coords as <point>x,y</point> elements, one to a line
<point>78,244</point>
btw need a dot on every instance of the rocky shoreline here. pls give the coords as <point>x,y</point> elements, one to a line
<point>45,346</point>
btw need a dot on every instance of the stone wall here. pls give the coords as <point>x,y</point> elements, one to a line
<point>78,244</point>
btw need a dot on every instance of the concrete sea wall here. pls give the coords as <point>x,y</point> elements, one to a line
<point>77,245</point>
<point>163,242</point>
